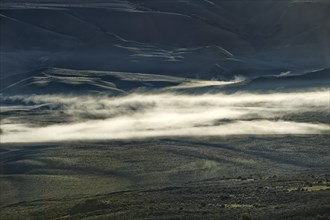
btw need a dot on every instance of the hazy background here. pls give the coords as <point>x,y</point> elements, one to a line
<point>191,38</point>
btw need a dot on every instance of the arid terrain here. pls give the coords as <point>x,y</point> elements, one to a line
<point>282,177</point>
<point>164,109</point>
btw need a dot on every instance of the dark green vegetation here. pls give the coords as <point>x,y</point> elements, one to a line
<point>261,177</point>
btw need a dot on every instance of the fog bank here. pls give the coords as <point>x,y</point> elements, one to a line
<point>169,114</point>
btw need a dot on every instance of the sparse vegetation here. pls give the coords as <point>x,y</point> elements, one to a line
<point>115,180</point>
<point>245,217</point>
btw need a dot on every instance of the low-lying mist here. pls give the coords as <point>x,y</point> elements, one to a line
<point>97,117</point>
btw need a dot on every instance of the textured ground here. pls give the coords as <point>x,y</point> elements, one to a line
<point>259,177</point>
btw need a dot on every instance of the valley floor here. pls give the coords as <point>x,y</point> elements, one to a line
<point>247,177</point>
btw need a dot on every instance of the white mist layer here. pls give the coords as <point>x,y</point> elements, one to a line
<point>168,114</point>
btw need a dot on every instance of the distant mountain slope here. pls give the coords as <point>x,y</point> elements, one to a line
<point>191,38</point>
<point>315,79</point>
<point>53,80</point>
<point>278,83</point>
<point>68,81</point>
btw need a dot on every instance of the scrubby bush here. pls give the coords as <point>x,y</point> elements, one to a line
<point>245,217</point>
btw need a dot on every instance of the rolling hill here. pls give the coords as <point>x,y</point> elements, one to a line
<point>192,38</point>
